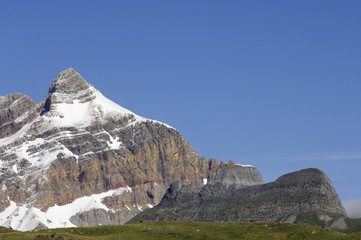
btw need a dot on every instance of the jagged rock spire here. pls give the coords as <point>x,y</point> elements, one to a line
<point>68,81</point>
<point>68,86</point>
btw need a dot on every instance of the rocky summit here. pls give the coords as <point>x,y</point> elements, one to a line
<point>79,159</point>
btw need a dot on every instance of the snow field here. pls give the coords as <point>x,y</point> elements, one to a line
<point>25,218</point>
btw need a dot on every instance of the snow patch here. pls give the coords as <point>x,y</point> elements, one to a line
<point>114,143</point>
<point>18,217</point>
<point>4,217</point>
<point>205,180</point>
<point>42,158</point>
<point>244,165</point>
<point>73,114</point>
<point>111,108</point>
<point>15,169</point>
<point>69,112</point>
<point>22,117</point>
<point>18,134</point>
<point>25,218</point>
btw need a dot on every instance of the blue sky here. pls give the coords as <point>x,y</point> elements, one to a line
<point>275,84</point>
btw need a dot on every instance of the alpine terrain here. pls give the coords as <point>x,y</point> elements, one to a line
<point>79,159</point>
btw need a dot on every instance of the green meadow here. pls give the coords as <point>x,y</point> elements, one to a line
<point>185,230</point>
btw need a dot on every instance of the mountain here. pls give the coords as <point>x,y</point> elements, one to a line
<point>305,196</point>
<point>79,159</point>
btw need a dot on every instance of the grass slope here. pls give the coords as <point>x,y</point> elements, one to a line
<point>185,230</point>
<point>353,224</point>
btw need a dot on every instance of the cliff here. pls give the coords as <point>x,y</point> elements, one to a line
<point>306,196</point>
<point>77,144</point>
<point>79,159</point>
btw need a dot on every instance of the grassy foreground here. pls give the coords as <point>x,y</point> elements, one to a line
<point>184,230</point>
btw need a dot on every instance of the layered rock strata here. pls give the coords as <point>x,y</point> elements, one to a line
<point>16,110</point>
<point>78,144</point>
<point>306,196</point>
<point>79,159</point>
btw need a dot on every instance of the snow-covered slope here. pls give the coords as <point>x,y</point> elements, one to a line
<point>82,108</point>
<point>77,143</point>
<point>27,217</point>
<point>68,110</point>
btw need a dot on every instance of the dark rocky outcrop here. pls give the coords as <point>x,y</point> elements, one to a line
<point>293,197</point>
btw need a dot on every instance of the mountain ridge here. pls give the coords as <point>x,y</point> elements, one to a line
<point>78,159</point>
<point>78,143</point>
<point>306,196</point>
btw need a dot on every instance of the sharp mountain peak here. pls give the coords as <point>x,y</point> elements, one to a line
<point>86,161</point>
<point>69,82</point>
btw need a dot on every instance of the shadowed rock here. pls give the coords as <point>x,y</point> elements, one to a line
<point>290,197</point>
<point>16,110</point>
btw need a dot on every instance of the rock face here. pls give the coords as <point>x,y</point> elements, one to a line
<point>79,159</point>
<point>16,110</point>
<point>305,196</point>
<point>231,174</point>
<point>77,144</point>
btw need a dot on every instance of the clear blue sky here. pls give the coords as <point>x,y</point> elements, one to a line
<point>275,84</point>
